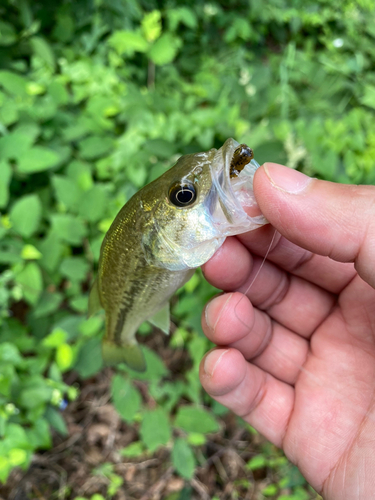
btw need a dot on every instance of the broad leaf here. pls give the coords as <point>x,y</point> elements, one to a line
<point>164,49</point>
<point>37,159</point>
<point>25,215</point>
<point>5,177</point>
<point>155,429</point>
<point>30,279</point>
<point>195,419</point>
<point>126,398</point>
<point>183,458</point>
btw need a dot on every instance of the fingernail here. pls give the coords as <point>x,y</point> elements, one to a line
<point>212,361</point>
<point>286,179</point>
<point>211,313</point>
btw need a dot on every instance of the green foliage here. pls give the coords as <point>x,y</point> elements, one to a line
<point>155,429</point>
<point>114,480</point>
<point>183,458</point>
<point>198,420</point>
<point>126,398</point>
<point>95,101</point>
<point>25,215</point>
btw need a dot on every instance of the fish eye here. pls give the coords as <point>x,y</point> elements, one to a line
<point>182,194</point>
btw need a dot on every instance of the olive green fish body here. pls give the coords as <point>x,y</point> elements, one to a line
<point>162,234</point>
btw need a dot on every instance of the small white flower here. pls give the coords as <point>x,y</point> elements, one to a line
<point>210,10</point>
<point>338,42</point>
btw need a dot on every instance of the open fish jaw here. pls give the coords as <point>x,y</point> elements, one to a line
<point>234,198</point>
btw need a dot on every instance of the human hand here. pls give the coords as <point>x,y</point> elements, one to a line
<point>296,354</point>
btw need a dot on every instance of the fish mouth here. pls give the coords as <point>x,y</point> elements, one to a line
<point>234,209</point>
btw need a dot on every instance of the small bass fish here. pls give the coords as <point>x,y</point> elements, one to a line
<point>163,233</point>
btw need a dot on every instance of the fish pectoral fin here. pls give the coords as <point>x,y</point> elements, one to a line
<point>94,300</point>
<point>130,354</point>
<point>161,319</point>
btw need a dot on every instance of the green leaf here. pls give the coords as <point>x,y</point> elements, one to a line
<point>29,252</point>
<point>58,93</point>
<point>126,398</point>
<point>127,42</point>
<point>93,204</point>
<point>74,268</point>
<point>16,436</point>
<point>17,457</point>
<point>68,228</point>
<point>7,378</point>
<point>155,429</point>
<point>8,35</point>
<point>57,337</point>
<point>64,357</point>
<point>51,249</point>
<point>39,435</point>
<point>155,368</point>
<point>42,49</point>
<point>95,146</point>
<point>270,490</point>
<point>133,450</point>
<point>37,159</point>
<point>56,421</point>
<point>89,359</point>
<point>80,173</point>
<point>48,304</point>
<point>67,191</point>
<point>25,215</point>
<point>368,98</point>
<point>9,353</point>
<point>64,27</point>
<point>182,15</point>
<point>13,83</point>
<point>5,178</point>
<point>183,458</point>
<point>91,326</point>
<point>196,439</point>
<point>195,419</point>
<point>257,462</point>
<point>31,281</point>
<point>151,25</point>
<point>165,49</point>
<point>34,396</point>
<point>8,112</point>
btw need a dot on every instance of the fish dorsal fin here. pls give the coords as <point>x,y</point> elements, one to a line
<point>94,300</point>
<point>161,319</point>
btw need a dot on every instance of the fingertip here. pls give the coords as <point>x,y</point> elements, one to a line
<point>286,179</point>
<point>228,318</point>
<point>212,360</point>
<point>222,370</point>
<point>326,218</point>
<point>264,402</point>
<point>230,265</point>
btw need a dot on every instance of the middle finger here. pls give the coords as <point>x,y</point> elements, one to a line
<point>295,303</point>
<point>230,320</point>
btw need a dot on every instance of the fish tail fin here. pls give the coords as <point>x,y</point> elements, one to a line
<point>130,354</point>
<point>94,299</point>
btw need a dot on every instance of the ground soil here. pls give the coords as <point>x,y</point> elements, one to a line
<point>97,435</point>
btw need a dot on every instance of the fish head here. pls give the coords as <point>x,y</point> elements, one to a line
<point>196,204</point>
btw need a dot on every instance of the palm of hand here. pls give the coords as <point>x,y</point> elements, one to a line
<point>302,370</point>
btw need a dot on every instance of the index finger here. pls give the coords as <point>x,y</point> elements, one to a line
<point>329,219</point>
<point>331,275</point>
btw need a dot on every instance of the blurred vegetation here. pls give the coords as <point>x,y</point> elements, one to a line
<point>99,97</point>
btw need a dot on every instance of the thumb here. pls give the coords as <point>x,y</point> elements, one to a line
<point>336,220</point>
